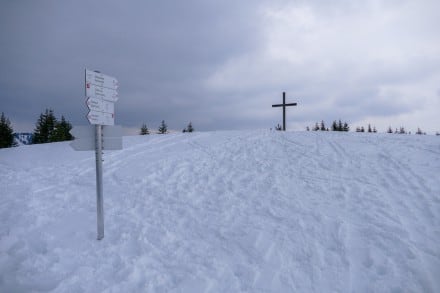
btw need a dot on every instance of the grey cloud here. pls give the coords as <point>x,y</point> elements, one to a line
<point>210,61</point>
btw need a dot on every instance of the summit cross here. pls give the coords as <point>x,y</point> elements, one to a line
<point>284,105</point>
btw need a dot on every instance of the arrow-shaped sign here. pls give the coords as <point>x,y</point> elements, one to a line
<point>94,91</point>
<point>99,105</point>
<point>101,80</point>
<point>101,118</point>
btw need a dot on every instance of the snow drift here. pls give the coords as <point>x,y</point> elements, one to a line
<point>255,211</point>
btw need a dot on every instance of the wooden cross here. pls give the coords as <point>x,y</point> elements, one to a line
<point>284,105</point>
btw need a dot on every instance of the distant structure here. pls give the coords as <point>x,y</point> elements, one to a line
<point>23,138</point>
<point>284,105</point>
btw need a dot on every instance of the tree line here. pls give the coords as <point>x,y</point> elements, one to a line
<point>47,129</point>
<point>339,126</point>
<point>50,129</point>
<point>336,126</point>
<point>163,128</point>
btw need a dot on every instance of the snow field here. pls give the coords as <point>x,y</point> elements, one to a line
<point>255,211</point>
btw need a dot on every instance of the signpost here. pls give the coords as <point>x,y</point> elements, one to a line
<point>101,94</point>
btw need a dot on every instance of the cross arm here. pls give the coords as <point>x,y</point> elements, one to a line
<point>281,105</point>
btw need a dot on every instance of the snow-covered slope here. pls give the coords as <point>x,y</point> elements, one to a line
<point>251,211</point>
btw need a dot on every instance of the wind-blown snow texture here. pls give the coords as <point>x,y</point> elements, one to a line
<point>252,211</point>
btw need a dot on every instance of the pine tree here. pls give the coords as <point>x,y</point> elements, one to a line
<point>307,128</point>
<point>346,127</point>
<point>162,128</point>
<point>334,126</point>
<point>369,128</point>
<point>49,129</point>
<point>45,127</point>
<point>322,128</point>
<point>340,127</point>
<point>6,133</point>
<point>61,131</point>
<point>374,129</point>
<point>390,130</point>
<point>144,130</point>
<point>362,129</point>
<point>189,128</point>
<point>316,128</point>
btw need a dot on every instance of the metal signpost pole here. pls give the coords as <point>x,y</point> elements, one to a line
<point>99,194</point>
<point>101,94</point>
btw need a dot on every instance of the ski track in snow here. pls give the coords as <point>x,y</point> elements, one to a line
<point>254,211</point>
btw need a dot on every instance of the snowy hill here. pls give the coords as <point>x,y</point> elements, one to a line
<point>237,211</point>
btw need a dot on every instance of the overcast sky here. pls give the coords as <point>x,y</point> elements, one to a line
<point>222,64</point>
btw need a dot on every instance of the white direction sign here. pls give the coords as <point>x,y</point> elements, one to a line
<point>101,118</point>
<point>101,80</point>
<point>100,105</point>
<point>94,91</point>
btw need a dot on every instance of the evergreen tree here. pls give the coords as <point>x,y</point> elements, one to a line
<point>144,130</point>
<point>6,133</point>
<point>340,127</point>
<point>419,131</point>
<point>334,126</point>
<point>390,130</point>
<point>345,127</point>
<point>402,130</point>
<point>61,131</point>
<point>189,128</point>
<point>316,128</point>
<point>49,129</point>
<point>322,128</point>
<point>374,129</point>
<point>162,128</point>
<point>369,128</point>
<point>278,127</point>
<point>362,129</point>
<point>45,127</point>
<point>307,128</point>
